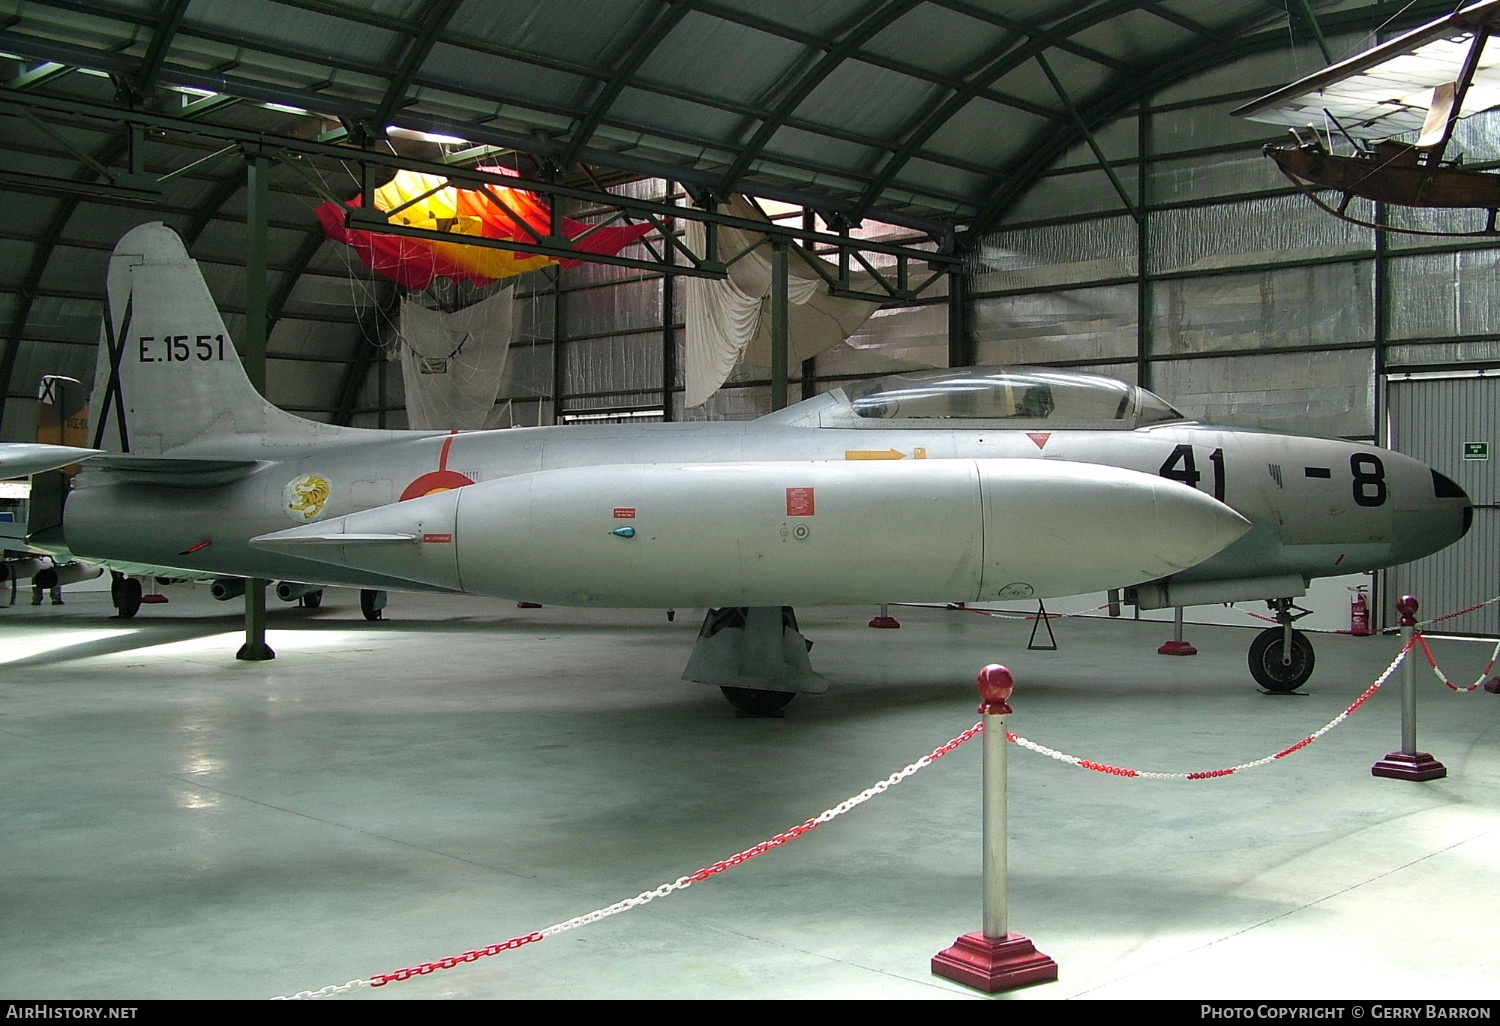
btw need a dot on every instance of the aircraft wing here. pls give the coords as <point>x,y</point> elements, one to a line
<point>22,459</point>
<point>1389,90</point>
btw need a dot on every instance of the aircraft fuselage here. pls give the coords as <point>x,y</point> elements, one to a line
<point>1317,507</point>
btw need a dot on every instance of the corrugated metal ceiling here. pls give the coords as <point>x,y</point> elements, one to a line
<point>931,113</point>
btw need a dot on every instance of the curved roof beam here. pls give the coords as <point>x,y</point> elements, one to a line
<point>1173,68</point>
<point>873,23</point>
<point>645,44</point>
<point>163,30</point>
<point>432,22</point>
<point>994,65</point>
<point>41,255</point>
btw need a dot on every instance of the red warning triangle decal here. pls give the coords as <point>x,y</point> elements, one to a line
<point>1039,437</point>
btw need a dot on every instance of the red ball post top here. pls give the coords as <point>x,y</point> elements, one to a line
<point>995,688</point>
<point>1407,607</point>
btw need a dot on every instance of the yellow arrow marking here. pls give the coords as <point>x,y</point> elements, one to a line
<point>874,454</point>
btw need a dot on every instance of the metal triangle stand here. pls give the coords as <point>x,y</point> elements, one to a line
<point>1042,620</point>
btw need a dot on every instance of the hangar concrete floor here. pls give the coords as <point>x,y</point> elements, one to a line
<point>176,824</point>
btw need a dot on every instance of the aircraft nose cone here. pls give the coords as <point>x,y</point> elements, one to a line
<point>1440,521</point>
<point>1447,490</point>
<point>1200,526</point>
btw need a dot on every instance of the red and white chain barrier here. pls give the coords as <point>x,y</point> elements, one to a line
<point>1461,612</point>
<point>681,883</point>
<point>1432,661</point>
<point>1121,771</point>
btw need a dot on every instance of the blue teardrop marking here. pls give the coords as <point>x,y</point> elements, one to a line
<point>624,532</point>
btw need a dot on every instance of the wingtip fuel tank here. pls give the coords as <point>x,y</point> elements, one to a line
<point>755,534</point>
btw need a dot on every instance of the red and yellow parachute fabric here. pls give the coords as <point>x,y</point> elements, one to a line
<point>416,262</point>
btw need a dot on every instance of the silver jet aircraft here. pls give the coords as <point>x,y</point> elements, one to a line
<point>943,486</point>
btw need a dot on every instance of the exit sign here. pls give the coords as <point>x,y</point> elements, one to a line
<point>1476,450</point>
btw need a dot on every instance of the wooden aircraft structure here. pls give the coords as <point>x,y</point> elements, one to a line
<point>1418,84</point>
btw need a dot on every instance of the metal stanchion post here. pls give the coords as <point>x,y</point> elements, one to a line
<point>1177,646</point>
<point>1408,763</point>
<point>885,619</point>
<point>995,959</point>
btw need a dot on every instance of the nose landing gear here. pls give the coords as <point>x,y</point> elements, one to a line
<point>1281,659</point>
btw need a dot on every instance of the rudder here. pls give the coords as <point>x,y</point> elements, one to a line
<point>168,378</point>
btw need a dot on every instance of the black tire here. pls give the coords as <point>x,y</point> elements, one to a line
<point>758,702</point>
<point>312,600</point>
<point>127,596</point>
<point>370,603</point>
<point>1267,667</point>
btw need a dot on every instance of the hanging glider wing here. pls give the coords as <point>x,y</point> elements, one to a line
<point>1419,84</point>
<point>493,212</point>
<point>1388,90</point>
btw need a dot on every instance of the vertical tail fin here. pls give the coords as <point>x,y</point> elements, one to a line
<point>168,379</point>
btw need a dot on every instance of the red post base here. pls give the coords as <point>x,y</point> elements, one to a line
<point>153,598</point>
<point>994,965</point>
<point>528,605</point>
<point>1404,766</point>
<point>887,622</point>
<point>1493,685</point>
<point>1177,648</point>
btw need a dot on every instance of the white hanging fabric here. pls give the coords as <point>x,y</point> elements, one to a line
<point>451,363</point>
<point>729,321</point>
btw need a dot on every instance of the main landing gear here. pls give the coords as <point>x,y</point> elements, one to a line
<point>756,656</point>
<point>371,603</point>
<point>1281,659</point>
<point>125,594</point>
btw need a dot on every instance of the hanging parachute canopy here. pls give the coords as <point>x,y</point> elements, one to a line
<point>493,212</point>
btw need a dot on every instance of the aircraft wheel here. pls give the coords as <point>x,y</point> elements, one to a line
<point>127,595</point>
<point>1267,667</point>
<point>371,602</point>
<point>312,600</point>
<point>758,702</point>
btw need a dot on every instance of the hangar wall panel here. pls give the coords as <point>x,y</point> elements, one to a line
<point>1057,327</point>
<point>894,338</point>
<point>1079,192</point>
<point>1272,229</point>
<point>1446,294</point>
<point>1468,572</point>
<point>1046,257</point>
<point>1312,306</point>
<point>1330,394</point>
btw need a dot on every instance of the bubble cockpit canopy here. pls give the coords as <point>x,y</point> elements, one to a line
<point>1023,395</point>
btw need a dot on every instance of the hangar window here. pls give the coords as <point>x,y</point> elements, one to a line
<point>1010,393</point>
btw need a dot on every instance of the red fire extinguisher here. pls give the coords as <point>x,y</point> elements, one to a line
<point>1359,612</point>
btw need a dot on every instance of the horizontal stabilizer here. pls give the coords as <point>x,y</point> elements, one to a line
<point>22,459</point>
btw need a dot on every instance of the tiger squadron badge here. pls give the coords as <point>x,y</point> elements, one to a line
<point>306,496</point>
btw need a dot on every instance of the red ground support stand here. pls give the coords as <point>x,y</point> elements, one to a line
<point>1409,766</point>
<point>994,965</point>
<point>1177,647</point>
<point>885,621</point>
<point>994,959</point>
